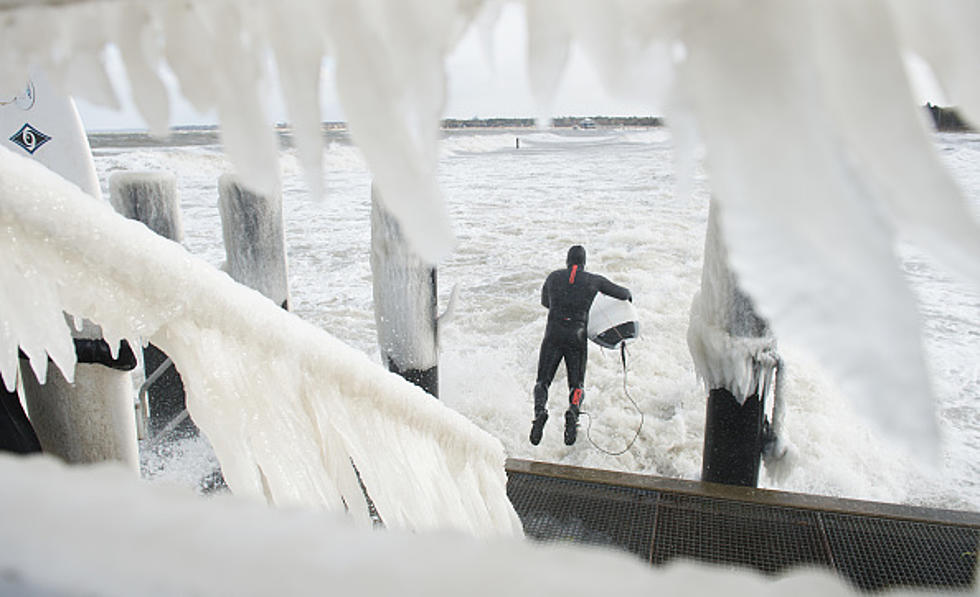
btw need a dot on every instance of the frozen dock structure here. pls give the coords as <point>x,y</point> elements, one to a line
<point>874,546</point>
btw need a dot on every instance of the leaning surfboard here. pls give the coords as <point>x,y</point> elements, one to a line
<point>612,321</point>
<point>92,419</point>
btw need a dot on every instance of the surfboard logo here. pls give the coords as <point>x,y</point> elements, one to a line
<point>29,138</point>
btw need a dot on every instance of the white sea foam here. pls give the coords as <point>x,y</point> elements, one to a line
<point>619,201</point>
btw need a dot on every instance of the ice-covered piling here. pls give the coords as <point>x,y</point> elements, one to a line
<point>734,353</point>
<point>405,302</point>
<point>254,240</point>
<point>151,198</point>
<point>89,419</point>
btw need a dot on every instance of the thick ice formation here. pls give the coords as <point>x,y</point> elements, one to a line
<point>286,406</point>
<point>404,296</point>
<point>731,347</point>
<point>255,243</point>
<point>810,227</point>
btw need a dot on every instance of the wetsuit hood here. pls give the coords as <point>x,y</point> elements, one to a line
<point>576,256</point>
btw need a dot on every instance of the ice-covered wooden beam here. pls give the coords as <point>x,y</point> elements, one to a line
<point>286,405</point>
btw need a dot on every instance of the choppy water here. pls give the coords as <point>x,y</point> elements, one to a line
<point>516,211</point>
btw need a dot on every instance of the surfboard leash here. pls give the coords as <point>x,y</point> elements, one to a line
<point>588,429</point>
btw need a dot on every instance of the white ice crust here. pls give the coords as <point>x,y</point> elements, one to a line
<point>404,295</point>
<point>724,356</point>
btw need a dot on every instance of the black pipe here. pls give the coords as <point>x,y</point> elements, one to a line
<point>732,439</point>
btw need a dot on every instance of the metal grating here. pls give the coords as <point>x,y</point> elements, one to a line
<point>877,552</point>
<point>564,510</point>
<point>874,546</point>
<point>766,538</point>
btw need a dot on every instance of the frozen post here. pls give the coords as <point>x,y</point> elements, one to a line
<point>254,240</point>
<point>734,354</point>
<point>404,302</point>
<point>151,198</point>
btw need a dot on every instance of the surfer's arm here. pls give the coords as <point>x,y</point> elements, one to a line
<point>614,290</point>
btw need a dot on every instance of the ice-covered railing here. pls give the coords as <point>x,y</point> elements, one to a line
<point>287,406</point>
<point>816,148</point>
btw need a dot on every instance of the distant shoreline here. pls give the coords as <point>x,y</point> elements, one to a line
<point>558,122</point>
<point>944,120</point>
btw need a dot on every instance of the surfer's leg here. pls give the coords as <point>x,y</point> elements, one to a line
<point>548,360</point>
<point>576,355</point>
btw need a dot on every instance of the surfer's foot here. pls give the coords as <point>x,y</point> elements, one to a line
<point>571,426</point>
<point>537,427</point>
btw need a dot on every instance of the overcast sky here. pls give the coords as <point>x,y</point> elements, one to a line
<point>479,85</point>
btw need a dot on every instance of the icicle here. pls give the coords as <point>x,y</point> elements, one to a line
<point>394,113</point>
<point>548,47</point>
<point>299,75</point>
<point>944,34</point>
<point>140,56</point>
<point>884,131</point>
<point>815,255</point>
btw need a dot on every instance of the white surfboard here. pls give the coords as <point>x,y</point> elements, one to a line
<point>612,321</point>
<point>92,419</point>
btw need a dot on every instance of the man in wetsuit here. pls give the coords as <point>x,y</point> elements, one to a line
<point>568,294</point>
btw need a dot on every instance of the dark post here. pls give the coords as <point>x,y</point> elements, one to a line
<point>733,428</point>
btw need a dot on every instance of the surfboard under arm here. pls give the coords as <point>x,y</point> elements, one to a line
<point>612,321</point>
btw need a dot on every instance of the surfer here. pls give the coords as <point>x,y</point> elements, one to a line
<point>16,432</point>
<point>567,294</point>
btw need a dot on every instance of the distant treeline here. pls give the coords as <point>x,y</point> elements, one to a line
<point>944,119</point>
<point>559,122</point>
<point>947,119</point>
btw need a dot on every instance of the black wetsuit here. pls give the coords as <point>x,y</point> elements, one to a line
<point>568,295</point>
<point>16,432</point>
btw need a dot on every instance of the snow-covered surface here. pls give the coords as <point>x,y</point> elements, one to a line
<point>286,406</point>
